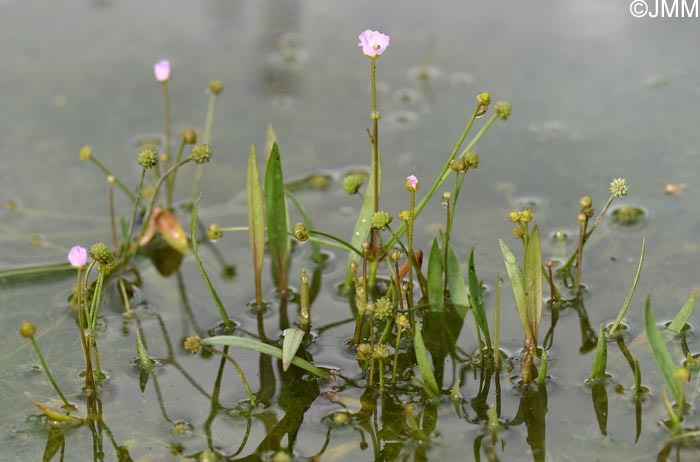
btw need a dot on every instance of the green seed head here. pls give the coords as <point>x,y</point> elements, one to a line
<point>380,352</point>
<point>352,183</point>
<point>201,153</point>
<point>382,308</point>
<point>214,232</point>
<point>405,215</point>
<point>101,254</point>
<point>381,219</point>
<point>483,98</point>
<point>148,158</point>
<point>472,159</point>
<point>502,109</point>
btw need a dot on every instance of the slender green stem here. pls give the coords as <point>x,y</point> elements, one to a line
<point>89,380</point>
<point>36,270</point>
<point>396,355</point>
<point>168,133</point>
<point>233,229</point>
<point>448,226</point>
<point>497,323</point>
<point>343,244</point>
<point>571,259</point>
<point>207,282</point>
<point>118,182</point>
<point>374,138</point>
<point>149,209</point>
<point>409,237</point>
<point>444,173</point>
<point>207,136</point>
<point>240,374</point>
<point>127,238</point>
<point>579,253</point>
<point>48,374</point>
<point>112,220</point>
<point>171,178</point>
<point>95,305</point>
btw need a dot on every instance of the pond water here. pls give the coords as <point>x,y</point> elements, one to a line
<point>596,94</point>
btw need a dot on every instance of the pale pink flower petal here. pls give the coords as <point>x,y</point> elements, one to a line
<point>412,183</point>
<point>162,70</point>
<point>77,256</point>
<point>373,43</point>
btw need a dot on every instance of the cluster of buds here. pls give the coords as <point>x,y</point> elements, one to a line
<point>101,254</point>
<point>465,162</point>
<point>521,220</point>
<point>383,308</point>
<point>483,99</point>
<point>587,207</point>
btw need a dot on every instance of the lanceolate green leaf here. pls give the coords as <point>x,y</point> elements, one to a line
<point>661,355</point>
<point>455,283</point>
<point>533,282</point>
<point>626,305</point>
<point>290,346</point>
<point>256,220</point>
<point>254,345</point>
<point>436,294</point>
<point>276,217</point>
<point>683,315</point>
<point>477,300</point>
<point>517,281</point>
<point>364,219</point>
<point>426,370</point>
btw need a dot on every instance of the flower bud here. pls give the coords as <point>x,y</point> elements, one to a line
<point>446,196</point>
<point>405,215</point>
<point>502,109</point>
<point>189,136</point>
<point>381,219</point>
<point>412,183</point>
<point>402,321</point>
<point>77,256</point>
<point>459,164</point>
<point>352,183</point>
<point>682,374</point>
<point>27,329</point>
<point>526,216</point>
<point>585,201</point>
<point>483,98</point>
<point>582,217</point>
<point>375,115</point>
<point>216,86</point>
<point>148,158</point>
<point>201,153</point>
<point>301,233</point>
<point>472,159</point>
<point>214,232</point>
<point>363,351</point>
<point>514,217</point>
<point>396,254</point>
<point>518,231</point>
<point>85,153</point>
<point>101,254</point>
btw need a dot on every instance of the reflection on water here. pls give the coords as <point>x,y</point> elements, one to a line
<point>596,95</point>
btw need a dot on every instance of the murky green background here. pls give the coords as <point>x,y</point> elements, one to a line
<point>596,94</point>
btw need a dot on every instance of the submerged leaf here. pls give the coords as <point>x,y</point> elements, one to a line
<point>254,345</point>
<point>436,294</point>
<point>477,300</point>
<point>290,346</point>
<point>57,416</point>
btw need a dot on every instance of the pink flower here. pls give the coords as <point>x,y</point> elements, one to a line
<point>162,71</point>
<point>412,183</point>
<point>373,43</point>
<point>77,256</point>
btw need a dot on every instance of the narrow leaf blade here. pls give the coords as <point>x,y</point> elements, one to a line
<point>660,352</point>
<point>600,361</point>
<point>254,345</point>
<point>683,315</point>
<point>477,300</point>
<point>517,282</point>
<point>455,283</point>
<point>630,294</point>
<point>276,217</point>
<point>364,220</point>
<point>424,365</point>
<point>436,293</point>
<point>290,346</point>
<point>256,215</point>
